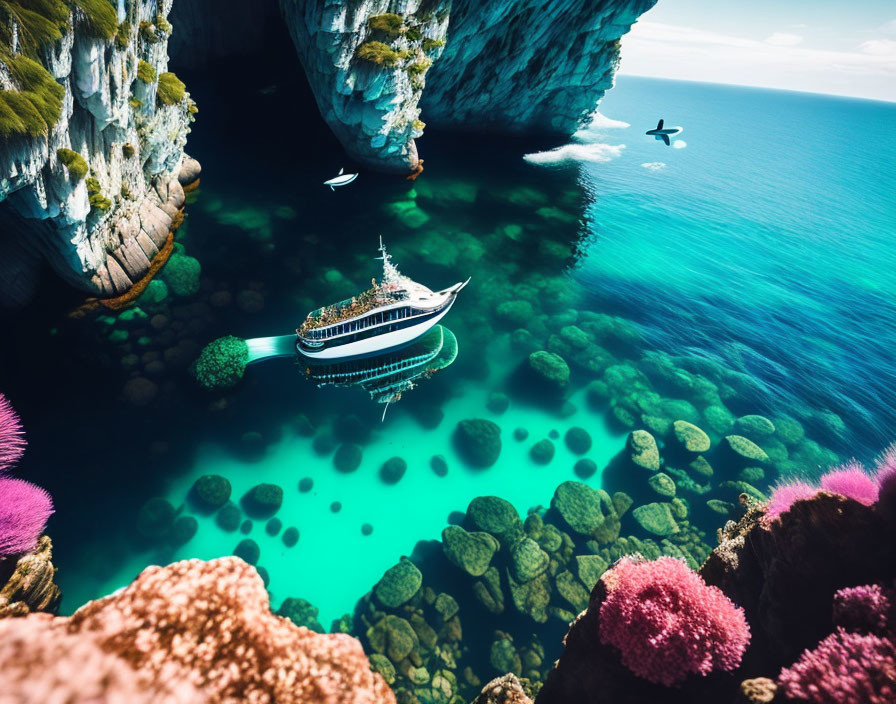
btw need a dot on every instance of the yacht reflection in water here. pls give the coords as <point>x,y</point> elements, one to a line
<point>388,375</point>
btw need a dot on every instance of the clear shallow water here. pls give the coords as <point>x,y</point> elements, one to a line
<point>753,246</point>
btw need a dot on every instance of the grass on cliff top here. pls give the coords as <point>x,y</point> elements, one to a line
<point>36,107</point>
<point>171,89</point>
<point>98,17</point>
<point>381,54</point>
<point>74,162</point>
<point>388,22</point>
<point>39,22</point>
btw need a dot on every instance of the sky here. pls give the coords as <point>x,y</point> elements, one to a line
<point>822,46</point>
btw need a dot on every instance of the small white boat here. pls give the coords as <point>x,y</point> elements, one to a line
<point>341,179</point>
<point>392,313</point>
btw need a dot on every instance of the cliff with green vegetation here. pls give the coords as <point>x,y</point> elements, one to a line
<point>381,70</point>
<point>92,133</point>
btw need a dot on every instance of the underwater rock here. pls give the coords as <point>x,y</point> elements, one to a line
<point>690,437</point>
<point>744,450</point>
<point>246,527</point>
<point>290,536</point>
<point>398,584</point>
<point>656,518</point>
<point>155,518</point>
<point>788,430</point>
<point>662,484</point>
<point>718,419</point>
<point>548,372</point>
<point>222,363</point>
<point>336,507</point>
<point>643,451</point>
<point>27,583</point>
<point>497,516</point>
<point>301,613</point>
<point>182,530</point>
<point>439,465</point>
<point>584,468</point>
<point>701,468</point>
<point>488,591</point>
<point>393,470</point>
<point>478,441</point>
<point>263,500</point>
<point>211,491</point>
<point>507,689</point>
<point>470,551</point>
<point>324,442</point>
<point>520,434</point>
<point>265,577</point>
<point>527,560</point>
<point>347,458</point>
<point>515,313</point>
<point>755,428</point>
<point>252,446</point>
<point>306,484</point>
<point>581,507</point>
<point>393,636</point>
<point>181,274</point>
<point>497,402</point>
<point>577,440</point>
<point>351,428</point>
<point>217,603</point>
<point>622,502</point>
<point>503,656</point>
<point>542,452</point>
<point>248,550</point>
<point>597,393</point>
<point>366,529</point>
<point>532,597</point>
<point>590,568</point>
<point>273,526</point>
<point>228,517</point>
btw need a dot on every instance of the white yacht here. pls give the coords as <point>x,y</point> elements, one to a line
<point>392,313</point>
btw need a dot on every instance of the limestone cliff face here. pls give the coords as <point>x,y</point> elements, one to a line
<point>503,65</point>
<point>366,61</point>
<point>100,229</point>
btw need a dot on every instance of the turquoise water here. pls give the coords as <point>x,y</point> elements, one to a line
<point>758,252</point>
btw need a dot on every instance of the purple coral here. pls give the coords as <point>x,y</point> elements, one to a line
<point>785,495</point>
<point>24,510</point>
<point>844,668</point>
<point>866,609</point>
<point>12,437</point>
<point>850,480</point>
<point>885,472</point>
<point>667,623</point>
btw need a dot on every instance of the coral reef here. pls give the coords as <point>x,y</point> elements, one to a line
<point>222,363</point>
<point>191,631</point>
<point>12,436</point>
<point>24,510</point>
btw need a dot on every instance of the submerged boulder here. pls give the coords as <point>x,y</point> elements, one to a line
<point>656,519</point>
<point>496,516</point>
<point>577,440</point>
<point>263,500</point>
<point>478,441</point>
<point>211,491</point>
<point>528,560</point>
<point>470,551</point>
<point>398,584</point>
<point>690,437</point>
<point>643,451</point>
<point>549,371</point>
<point>222,363</point>
<point>581,507</point>
<point>542,452</point>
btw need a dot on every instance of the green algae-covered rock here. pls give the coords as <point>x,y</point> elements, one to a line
<point>578,440</point>
<point>754,427</point>
<point>471,552</point>
<point>211,490</point>
<point>228,517</point>
<point>751,475</point>
<point>392,636</point>
<point>656,518</point>
<point>657,425</point>
<point>735,489</point>
<point>504,658</point>
<point>496,516</point>
<point>581,507</point>
<point>528,560</point>
<point>584,468</point>
<point>393,470</point>
<point>572,590</point>
<point>515,313</point>
<point>718,419</point>
<point>551,539</point>
<point>488,591</point>
<point>497,402</point>
<point>478,441</point>
<point>221,363</point>
<point>662,484</point>
<point>788,430</point>
<point>532,597</point>
<point>622,416</point>
<point>722,508</point>
<point>643,451</point>
<point>550,371</point>
<point>248,550</point>
<point>690,437</point>
<point>597,394</point>
<point>622,502</point>
<point>590,568</point>
<point>700,468</point>
<point>439,465</point>
<point>380,663</point>
<point>273,527</point>
<point>745,449</point>
<point>775,449</point>
<point>182,530</point>
<point>679,509</point>
<point>155,518</point>
<point>290,536</point>
<point>542,452</point>
<point>181,274</point>
<point>263,500</point>
<point>347,458</point>
<point>446,606</point>
<point>155,292</point>
<point>301,613</point>
<point>398,584</point>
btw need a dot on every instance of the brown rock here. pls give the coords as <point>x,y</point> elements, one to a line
<point>760,690</point>
<point>30,587</point>
<point>507,689</point>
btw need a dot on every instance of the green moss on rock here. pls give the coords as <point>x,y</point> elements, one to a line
<point>181,273</point>
<point>656,518</point>
<point>478,441</point>
<point>388,22</point>
<point>380,54</point>
<point>222,363</point>
<point>211,490</point>
<point>145,72</point>
<point>690,437</point>
<point>74,162</point>
<point>398,584</point>
<point>470,551</point>
<point>171,89</point>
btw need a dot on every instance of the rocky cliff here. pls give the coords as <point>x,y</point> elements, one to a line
<point>92,133</point>
<point>379,68</point>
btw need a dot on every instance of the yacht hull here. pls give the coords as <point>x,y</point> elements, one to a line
<point>378,343</point>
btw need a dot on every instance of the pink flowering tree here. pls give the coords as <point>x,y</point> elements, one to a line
<point>668,624</point>
<point>12,437</point>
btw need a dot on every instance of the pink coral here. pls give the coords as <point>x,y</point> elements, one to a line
<point>885,472</point>
<point>12,437</point>
<point>866,609</point>
<point>667,623</point>
<point>844,668</point>
<point>851,481</point>
<point>24,510</point>
<point>785,495</point>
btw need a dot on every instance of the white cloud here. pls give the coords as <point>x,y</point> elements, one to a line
<point>675,51</point>
<point>654,166</point>
<point>879,47</point>
<point>679,144</point>
<point>783,39</point>
<point>576,152</point>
